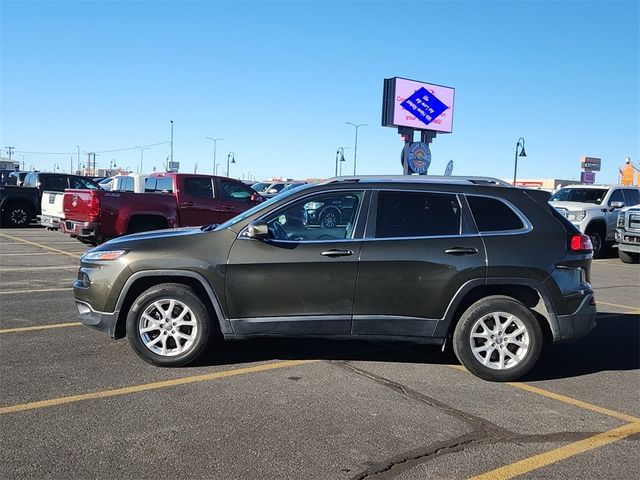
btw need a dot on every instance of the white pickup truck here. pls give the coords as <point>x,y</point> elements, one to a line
<point>52,212</point>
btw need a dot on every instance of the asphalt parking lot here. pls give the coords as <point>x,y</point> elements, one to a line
<point>75,404</point>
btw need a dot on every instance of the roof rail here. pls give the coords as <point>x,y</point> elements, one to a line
<point>419,178</point>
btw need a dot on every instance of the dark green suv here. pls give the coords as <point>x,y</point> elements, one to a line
<point>494,269</point>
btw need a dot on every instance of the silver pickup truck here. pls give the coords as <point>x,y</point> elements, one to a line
<point>628,234</point>
<point>594,209</point>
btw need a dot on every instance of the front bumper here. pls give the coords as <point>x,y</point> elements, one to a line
<point>105,322</point>
<point>88,230</point>
<point>578,323</point>
<point>628,242</point>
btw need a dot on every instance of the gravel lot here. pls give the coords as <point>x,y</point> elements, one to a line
<point>75,404</point>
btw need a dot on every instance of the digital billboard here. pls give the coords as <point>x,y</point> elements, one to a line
<point>419,105</point>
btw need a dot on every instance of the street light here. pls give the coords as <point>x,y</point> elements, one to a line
<point>171,162</point>
<point>522,154</point>
<point>215,142</point>
<point>215,169</point>
<point>230,159</point>
<point>55,166</point>
<point>355,148</point>
<point>142,149</point>
<point>339,159</point>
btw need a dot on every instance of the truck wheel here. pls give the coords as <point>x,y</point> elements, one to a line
<point>629,257</point>
<point>596,241</point>
<point>17,216</point>
<point>168,325</point>
<point>498,339</point>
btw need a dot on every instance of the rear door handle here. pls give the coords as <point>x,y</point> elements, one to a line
<point>335,252</point>
<point>461,251</point>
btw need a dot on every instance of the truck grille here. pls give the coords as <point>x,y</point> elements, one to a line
<point>633,221</point>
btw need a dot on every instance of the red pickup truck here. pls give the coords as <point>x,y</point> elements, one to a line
<point>170,200</point>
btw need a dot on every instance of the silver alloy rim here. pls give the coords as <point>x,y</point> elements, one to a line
<point>499,340</point>
<point>168,327</point>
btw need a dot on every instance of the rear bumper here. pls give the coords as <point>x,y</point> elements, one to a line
<point>105,322</point>
<point>50,222</point>
<point>578,323</point>
<point>88,230</point>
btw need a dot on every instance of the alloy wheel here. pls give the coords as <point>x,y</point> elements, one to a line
<point>168,327</point>
<point>499,340</point>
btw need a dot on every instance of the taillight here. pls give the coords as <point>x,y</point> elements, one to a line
<point>580,243</point>
<point>94,206</point>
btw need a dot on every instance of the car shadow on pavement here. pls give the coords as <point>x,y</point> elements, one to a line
<point>612,346</point>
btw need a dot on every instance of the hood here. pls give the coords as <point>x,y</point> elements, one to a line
<point>127,240</point>
<point>576,205</point>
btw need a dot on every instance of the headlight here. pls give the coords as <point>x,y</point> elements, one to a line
<point>576,216</point>
<point>104,255</point>
<point>621,219</point>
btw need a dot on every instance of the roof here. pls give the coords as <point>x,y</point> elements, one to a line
<point>459,180</point>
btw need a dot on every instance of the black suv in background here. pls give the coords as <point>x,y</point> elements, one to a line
<point>494,269</point>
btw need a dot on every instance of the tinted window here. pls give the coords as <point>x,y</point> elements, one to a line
<point>632,196</point>
<point>54,183</point>
<point>126,184</point>
<point>417,214</point>
<point>31,180</point>
<point>582,195</point>
<point>235,191</point>
<point>199,187</point>
<point>159,184</point>
<point>492,215</point>
<point>83,183</point>
<point>616,196</point>
<point>327,216</point>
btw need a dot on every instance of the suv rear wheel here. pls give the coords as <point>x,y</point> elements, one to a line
<point>498,339</point>
<point>168,325</point>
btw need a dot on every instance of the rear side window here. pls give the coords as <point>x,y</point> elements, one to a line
<point>54,183</point>
<point>31,180</point>
<point>416,214</point>
<point>493,215</point>
<point>235,191</point>
<point>159,184</point>
<point>126,184</point>
<point>199,187</point>
<point>83,183</point>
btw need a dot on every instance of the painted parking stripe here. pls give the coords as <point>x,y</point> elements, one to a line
<point>40,327</point>
<point>40,245</point>
<point>542,460</point>
<point>55,267</point>
<point>628,307</point>
<point>42,290</point>
<point>150,386</point>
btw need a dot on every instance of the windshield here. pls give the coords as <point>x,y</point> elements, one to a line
<point>259,207</point>
<point>260,187</point>
<point>581,195</point>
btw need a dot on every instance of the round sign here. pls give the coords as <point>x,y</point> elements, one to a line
<point>419,157</point>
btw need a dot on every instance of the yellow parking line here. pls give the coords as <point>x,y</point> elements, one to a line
<point>618,264</point>
<point>561,453</point>
<point>599,302</point>
<point>150,386</point>
<point>40,245</point>
<point>15,292</point>
<point>40,327</point>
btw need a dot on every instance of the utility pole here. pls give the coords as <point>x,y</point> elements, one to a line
<point>78,147</point>
<point>171,161</point>
<point>142,149</point>
<point>10,151</point>
<point>71,167</point>
<point>355,147</point>
<point>215,142</point>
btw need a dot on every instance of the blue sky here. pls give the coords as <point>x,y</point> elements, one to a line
<point>278,81</point>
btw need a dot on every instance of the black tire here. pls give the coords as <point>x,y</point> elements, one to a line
<point>484,309</point>
<point>597,242</point>
<point>17,216</point>
<point>330,218</point>
<point>628,257</point>
<point>142,227</point>
<point>201,331</point>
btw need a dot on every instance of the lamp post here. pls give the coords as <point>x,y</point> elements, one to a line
<point>520,144</point>
<point>215,142</point>
<point>142,149</point>
<point>78,147</point>
<point>215,169</point>
<point>339,159</point>
<point>171,161</point>
<point>55,166</point>
<point>230,159</point>
<point>355,147</point>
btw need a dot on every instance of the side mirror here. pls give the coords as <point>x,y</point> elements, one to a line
<point>257,230</point>
<point>615,205</point>
<point>273,190</point>
<point>256,198</point>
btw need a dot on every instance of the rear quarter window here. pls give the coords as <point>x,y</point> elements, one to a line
<point>493,215</point>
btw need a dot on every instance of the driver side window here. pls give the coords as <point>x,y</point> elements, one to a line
<point>326,216</point>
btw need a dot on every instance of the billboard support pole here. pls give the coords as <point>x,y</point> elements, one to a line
<point>407,134</point>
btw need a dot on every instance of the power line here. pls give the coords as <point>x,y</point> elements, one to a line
<point>97,151</point>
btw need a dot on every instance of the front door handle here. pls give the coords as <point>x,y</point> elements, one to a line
<point>461,251</point>
<point>335,252</point>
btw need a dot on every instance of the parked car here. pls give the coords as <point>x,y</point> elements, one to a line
<point>17,178</point>
<point>628,234</point>
<point>594,209</point>
<point>51,205</point>
<point>20,205</point>
<point>271,189</point>
<point>170,200</point>
<point>4,176</point>
<point>125,183</point>
<point>492,268</point>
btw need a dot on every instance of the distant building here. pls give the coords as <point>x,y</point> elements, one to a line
<point>550,184</point>
<point>6,164</point>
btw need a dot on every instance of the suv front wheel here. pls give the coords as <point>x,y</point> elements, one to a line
<point>168,325</point>
<point>498,339</point>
